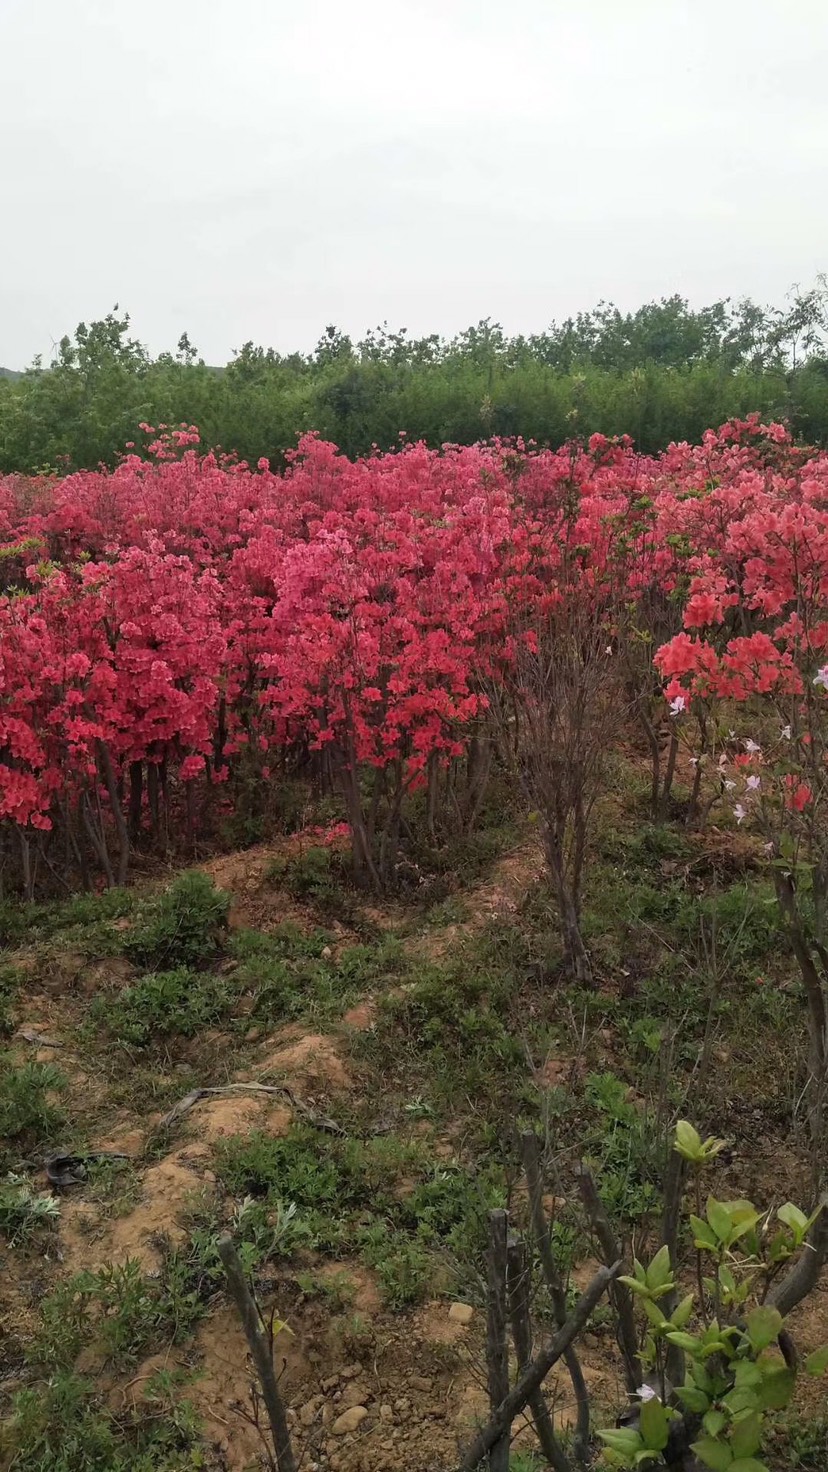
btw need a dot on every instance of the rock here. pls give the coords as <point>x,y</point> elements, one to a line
<point>350,1420</point>
<point>350,1372</point>
<point>330,1384</point>
<point>307,1412</point>
<point>461,1313</point>
<point>354,1395</point>
<point>420,1382</point>
<point>386,1413</point>
<point>326,953</point>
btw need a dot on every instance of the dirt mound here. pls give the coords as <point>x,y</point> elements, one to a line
<point>312,1059</point>
<point>168,1190</point>
<point>500,895</point>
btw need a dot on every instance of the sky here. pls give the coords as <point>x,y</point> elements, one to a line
<point>256,169</point>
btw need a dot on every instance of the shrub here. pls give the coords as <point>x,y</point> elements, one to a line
<point>182,928</point>
<point>28,1116</point>
<point>164,1004</point>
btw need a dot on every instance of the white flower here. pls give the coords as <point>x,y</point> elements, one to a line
<point>739,812</point>
<point>608,649</point>
<point>678,705</point>
<point>821,678</point>
<point>752,747</point>
<point>729,786</point>
<point>768,847</point>
<point>646,1392</point>
<point>753,784</point>
<point>786,733</point>
<point>732,735</point>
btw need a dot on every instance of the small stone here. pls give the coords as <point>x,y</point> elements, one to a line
<point>307,1412</point>
<point>326,953</point>
<point>350,1420</point>
<point>420,1382</point>
<point>350,1372</point>
<point>253,1034</point>
<point>386,1412</point>
<point>330,1384</point>
<point>461,1313</point>
<point>354,1395</point>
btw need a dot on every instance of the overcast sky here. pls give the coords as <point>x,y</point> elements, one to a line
<point>258,168</point>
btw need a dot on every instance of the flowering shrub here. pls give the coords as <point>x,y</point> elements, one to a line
<point>753,658</point>
<point>185,618</point>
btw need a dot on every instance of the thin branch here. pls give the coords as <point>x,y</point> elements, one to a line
<point>260,1351</point>
<point>620,1295</point>
<point>530,1149</point>
<point>518,1399</point>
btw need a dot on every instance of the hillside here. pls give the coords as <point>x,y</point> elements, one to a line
<point>398,1046</point>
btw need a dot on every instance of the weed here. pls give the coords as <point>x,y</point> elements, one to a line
<point>28,1115</point>
<point>627,1149</point>
<point>64,1426</point>
<point>11,979</point>
<point>113,1185</point>
<point>24,1211</point>
<point>402,1265</point>
<point>336,1291</point>
<point>115,1308</point>
<point>89,916</point>
<point>183,927</point>
<point>319,877</point>
<point>451,1207</point>
<point>164,1004</point>
<point>800,1446</point>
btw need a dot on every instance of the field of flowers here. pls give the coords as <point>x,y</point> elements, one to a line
<point>180,619</point>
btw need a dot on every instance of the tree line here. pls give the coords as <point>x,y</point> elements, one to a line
<point>662,373</point>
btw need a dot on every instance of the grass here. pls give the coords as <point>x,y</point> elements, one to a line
<point>67,1426</point>
<point>164,1005</point>
<point>30,1115</point>
<point>183,927</point>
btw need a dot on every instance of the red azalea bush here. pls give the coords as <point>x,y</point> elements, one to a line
<point>185,617</point>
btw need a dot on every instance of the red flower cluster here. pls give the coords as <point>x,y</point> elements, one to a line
<point>183,612</point>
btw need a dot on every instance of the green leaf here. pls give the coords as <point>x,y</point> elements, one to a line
<point>703,1235</point>
<point>683,1312</point>
<point>622,1439</point>
<point>693,1398</point>
<point>714,1422</point>
<point>727,1279</point>
<point>684,1341</point>
<point>740,1402</point>
<point>817,1363</point>
<point>634,1285</point>
<point>654,1425</point>
<point>763,1325</point>
<point>747,1464</point>
<point>659,1272</point>
<point>719,1218</point>
<point>793,1218</point>
<point>777,1388</point>
<point>714,1454</point>
<point>688,1141</point>
<point>654,1313</point>
<point>744,1225</point>
<point>747,1374</point>
<point>746,1435</point>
